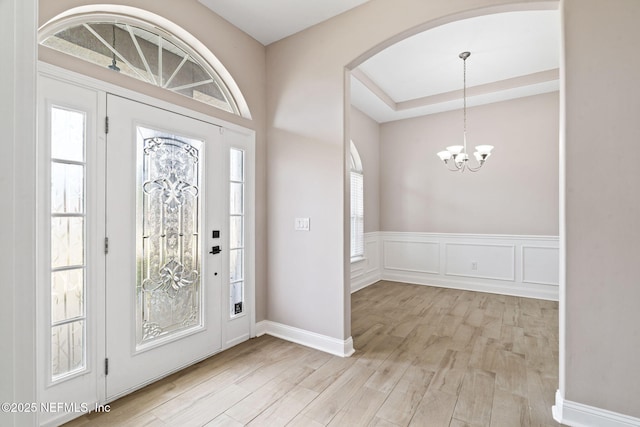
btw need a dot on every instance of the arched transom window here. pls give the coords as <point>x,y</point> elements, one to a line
<point>142,51</point>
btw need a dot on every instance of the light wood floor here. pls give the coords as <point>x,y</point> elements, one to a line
<point>424,357</point>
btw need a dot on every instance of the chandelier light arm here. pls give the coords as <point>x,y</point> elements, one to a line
<point>456,168</point>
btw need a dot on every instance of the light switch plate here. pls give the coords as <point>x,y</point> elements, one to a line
<point>302,224</point>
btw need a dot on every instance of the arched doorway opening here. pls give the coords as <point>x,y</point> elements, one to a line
<point>437,257</point>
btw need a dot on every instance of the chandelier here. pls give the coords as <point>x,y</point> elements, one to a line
<point>455,156</point>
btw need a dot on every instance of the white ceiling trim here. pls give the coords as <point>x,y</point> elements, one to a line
<point>513,54</point>
<point>505,86</point>
<point>364,100</point>
<point>374,88</point>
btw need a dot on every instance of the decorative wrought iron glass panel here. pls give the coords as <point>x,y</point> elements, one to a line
<point>68,242</point>
<point>168,288</point>
<point>145,54</point>
<point>236,231</point>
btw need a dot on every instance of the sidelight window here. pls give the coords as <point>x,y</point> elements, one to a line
<point>236,231</point>
<point>68,242</point>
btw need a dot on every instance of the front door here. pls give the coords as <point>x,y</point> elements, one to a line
<point>164,200</point>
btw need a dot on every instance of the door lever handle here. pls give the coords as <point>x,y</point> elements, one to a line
<point>215,250</point>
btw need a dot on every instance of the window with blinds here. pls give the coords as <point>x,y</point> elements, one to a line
<point>357,205</point>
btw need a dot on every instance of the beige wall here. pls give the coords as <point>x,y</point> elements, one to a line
<point>305,84</point>
<point>365,134</point>
<point>602,204</point>
<point>307,114</point>
<point>516,192</point>
<point>240,54</point>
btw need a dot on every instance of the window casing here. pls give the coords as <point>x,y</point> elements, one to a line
<point>357,205</point>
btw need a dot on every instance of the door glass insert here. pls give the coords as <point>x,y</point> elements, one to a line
<point>168,288</point>
<point>68,242</point>
<point>236,231</point>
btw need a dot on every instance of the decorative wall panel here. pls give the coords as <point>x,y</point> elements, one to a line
<point>423,257</point>
<point>540,265</point>
<point>485,261</point>
<point>525,266</point>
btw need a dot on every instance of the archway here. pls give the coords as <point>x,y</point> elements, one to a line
<point>552,6</point>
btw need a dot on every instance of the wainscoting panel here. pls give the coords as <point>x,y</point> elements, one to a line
<point>540,265</point>
<point>480,261</point>
<point>419,257</point>
<point>366,270</point>
<point>525,266</point>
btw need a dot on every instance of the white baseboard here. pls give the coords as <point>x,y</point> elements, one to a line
<point>476,286</point>
<point>342,348</point>
<point>579,415</point>
<point>356,285</point>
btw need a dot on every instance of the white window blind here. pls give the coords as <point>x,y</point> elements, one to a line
<point>357,204</point>
<point>357,214</point>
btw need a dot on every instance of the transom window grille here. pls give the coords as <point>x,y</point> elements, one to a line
<point>236,231</point>
<point>68,242</point>
<point>357,204</point>
<point>146,54</point>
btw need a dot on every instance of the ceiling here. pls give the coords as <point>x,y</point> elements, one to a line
<point>271,20</point>
<point>513,54</point>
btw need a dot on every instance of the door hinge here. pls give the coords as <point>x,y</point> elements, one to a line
<point>106,366</point>
<point>106,245</point>
<point>106,124</point>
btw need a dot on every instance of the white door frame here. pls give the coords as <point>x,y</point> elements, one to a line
<point>248,143</point>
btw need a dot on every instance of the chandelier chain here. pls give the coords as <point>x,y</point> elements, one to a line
<point>464,97</point>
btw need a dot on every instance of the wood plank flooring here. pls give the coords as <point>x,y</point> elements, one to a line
<point>424,356</point>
